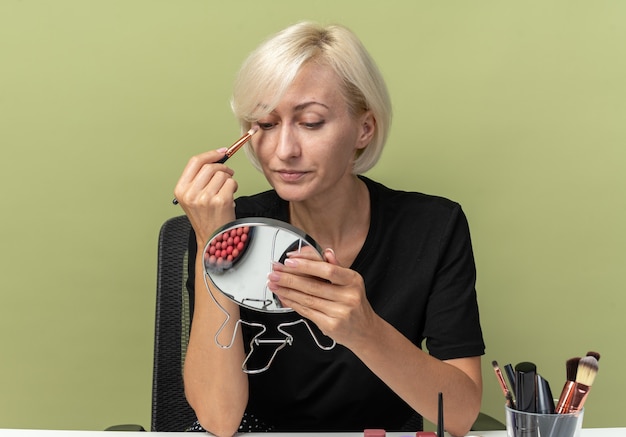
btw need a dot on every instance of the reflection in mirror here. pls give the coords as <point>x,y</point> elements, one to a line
<point>237,259</point>
<point>239,256</point>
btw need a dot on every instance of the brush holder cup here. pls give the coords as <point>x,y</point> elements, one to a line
<point>523,424</point>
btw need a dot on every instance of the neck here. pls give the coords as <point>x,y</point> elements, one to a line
<point>339,221</point>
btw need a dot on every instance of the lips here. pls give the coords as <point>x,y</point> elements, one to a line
<point>290,175</point>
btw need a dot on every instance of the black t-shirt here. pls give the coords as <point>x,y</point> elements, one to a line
<point>419,273</point>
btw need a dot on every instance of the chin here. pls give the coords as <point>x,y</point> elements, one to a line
<point>292,194</point>
<point>291,197</point>
<point>286,191</point>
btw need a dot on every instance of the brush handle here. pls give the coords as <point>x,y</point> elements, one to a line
<point>509,400</point>
<point>579,397</point>
<point>510,374</point>
<point>440,426</point>
<point>565,400</point>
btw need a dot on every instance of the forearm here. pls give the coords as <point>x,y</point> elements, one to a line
<point>418,377</point>
<point>215,385</point>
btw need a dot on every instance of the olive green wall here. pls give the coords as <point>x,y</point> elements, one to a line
<point>515,109</point>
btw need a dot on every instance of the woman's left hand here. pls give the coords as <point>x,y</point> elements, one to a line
<point>331,296</point>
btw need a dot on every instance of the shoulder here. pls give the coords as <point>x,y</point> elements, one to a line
<point>413,215</point>
<point>416,204</point>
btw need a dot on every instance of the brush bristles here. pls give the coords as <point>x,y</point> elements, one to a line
<point>571,367</point>
<point>596,355</point>
<point>587,370</point>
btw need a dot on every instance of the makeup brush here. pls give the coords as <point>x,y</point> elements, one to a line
<point>510,374</point>
<point>571,368</point>
<point>440,426</point>
<point>585,375</point>
<point>237,145</point>
<point>596,355</point>
<point>505,389</point>
<point>232,149</point>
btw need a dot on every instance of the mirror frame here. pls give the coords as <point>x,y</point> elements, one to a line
<point>256,224</point>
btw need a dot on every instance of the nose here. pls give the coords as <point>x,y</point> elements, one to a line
<point>288,146</point>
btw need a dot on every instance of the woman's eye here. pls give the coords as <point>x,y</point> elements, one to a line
<point>265,126</point>
<point>315,125</point>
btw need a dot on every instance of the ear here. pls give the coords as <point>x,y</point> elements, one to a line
<point>367,128</point>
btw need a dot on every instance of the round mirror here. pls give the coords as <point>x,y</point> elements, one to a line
<point>240,255</point>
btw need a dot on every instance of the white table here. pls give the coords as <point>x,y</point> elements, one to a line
<point>586,432</point>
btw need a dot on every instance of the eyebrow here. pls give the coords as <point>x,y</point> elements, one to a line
<point>301,106</point>
<point>305,105</point>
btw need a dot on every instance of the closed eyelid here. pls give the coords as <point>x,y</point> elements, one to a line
<point>315,124</point>
<point>265,125</point>
<point>309,120</point>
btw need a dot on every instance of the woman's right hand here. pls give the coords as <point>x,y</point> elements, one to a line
<point>206,192</point>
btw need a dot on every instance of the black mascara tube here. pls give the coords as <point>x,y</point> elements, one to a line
<point>525,399</point>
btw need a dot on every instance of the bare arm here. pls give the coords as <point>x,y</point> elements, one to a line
<point>417,377</point>
<point>215,385</point>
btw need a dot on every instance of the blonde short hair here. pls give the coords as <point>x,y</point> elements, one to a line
<point>270,69</point>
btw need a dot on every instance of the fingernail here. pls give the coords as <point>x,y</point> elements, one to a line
<point>291,262</point>
<point>277,266</point>
<point>273,276</point>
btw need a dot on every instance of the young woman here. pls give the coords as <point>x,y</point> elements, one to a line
<point>398,266</point>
